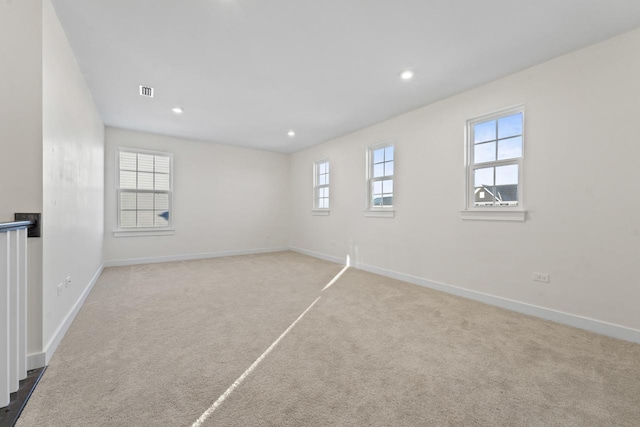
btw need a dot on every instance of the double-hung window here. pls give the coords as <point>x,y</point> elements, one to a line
<point>494,162</point>
<point>321,187</point>
<point>144,185</point>
<point>380,173</point>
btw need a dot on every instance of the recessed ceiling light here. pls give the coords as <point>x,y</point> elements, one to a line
<point>406,75</point>
<point>177,110</point>
<point>291,133</point>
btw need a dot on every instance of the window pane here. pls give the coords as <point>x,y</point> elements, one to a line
<point>377,187</point>
<point>145,181</point>
<point>378,155</point>
<point>322,179</point>
<point>483,132</point>
<point>145,162</point>
<point>506,175</point>
<point>162,182</point>
<point>128,201</point>
<point>378,170</point>
<point>145,219</point>
<point>387,200</point>
<point>376,200</point>
<point>145,200</point>
<point>127,219</point>
<point>161,219</point>
<point>322,168</point>
<point>507,195</point>
<point>484,196</point>
<point>162,201</point>
<point>387,186</point>
<point>483,176</point>
<point>510,126</point>
<point>388,169</point>
<point>128,180</point>
<point>510,148</point>
<point>162,164</point>
<point>485,152</point>
<point>388,153</point>
<point>140,171</point>
<point>326,177</point>
<point>127,161</point>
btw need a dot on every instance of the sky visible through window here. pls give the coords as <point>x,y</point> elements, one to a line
<point>382,177</point>
<point>322,185</point>
<point>144,187</point>
<point>494,143</point>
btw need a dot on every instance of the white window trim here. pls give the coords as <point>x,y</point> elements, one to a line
<point>316,210</point>
<point>143,232</point>
<point>148,231</point>
<point>378,211</point>
<point>492,213</point>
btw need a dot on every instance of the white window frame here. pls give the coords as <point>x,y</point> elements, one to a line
<point>143,231</point>
<point>492,213</point>
<point>379,211</point>
<point>317,210</point>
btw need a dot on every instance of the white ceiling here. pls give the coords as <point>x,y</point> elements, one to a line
<point>247,71</point>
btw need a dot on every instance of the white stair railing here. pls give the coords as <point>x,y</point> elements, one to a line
<point>13,307</point>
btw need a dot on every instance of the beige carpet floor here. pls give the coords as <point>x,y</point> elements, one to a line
<point>156,345</point>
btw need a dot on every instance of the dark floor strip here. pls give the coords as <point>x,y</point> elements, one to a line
<point>10,414</point>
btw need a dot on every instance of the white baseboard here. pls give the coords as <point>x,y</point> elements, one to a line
<point>318,255</point>
<point>187,257</point>
<point>53,343</point>
<point>35,361</point>
<point>581,322</point>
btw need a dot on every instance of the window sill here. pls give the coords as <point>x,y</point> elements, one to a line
<point>143,232</point>
<point>379,213</point>
<point>320,212</point>
<point>493,215</point>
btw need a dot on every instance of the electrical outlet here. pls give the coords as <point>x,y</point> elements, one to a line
<point>541,277</point>
<point>67,281</point>
<point>60,289</point>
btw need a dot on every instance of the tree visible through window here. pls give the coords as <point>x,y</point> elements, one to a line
<point>144,189</point>
<point>495,159</point>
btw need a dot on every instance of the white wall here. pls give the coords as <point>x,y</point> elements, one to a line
<point>73,172</point>
<point>225,199</point>
<point>21,135</point>
<point>20,108</point>
<point>580,188</point>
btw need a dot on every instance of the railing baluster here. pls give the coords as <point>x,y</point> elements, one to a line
<point>22,297</point>
<point>14,314</point>
<point>4,320</point>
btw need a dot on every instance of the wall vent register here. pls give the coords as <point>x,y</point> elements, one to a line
<point>146,91</point>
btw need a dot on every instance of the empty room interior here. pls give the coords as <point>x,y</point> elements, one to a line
<point>310,213</point>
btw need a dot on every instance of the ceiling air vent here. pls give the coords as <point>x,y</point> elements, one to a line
<point>146,91</point>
